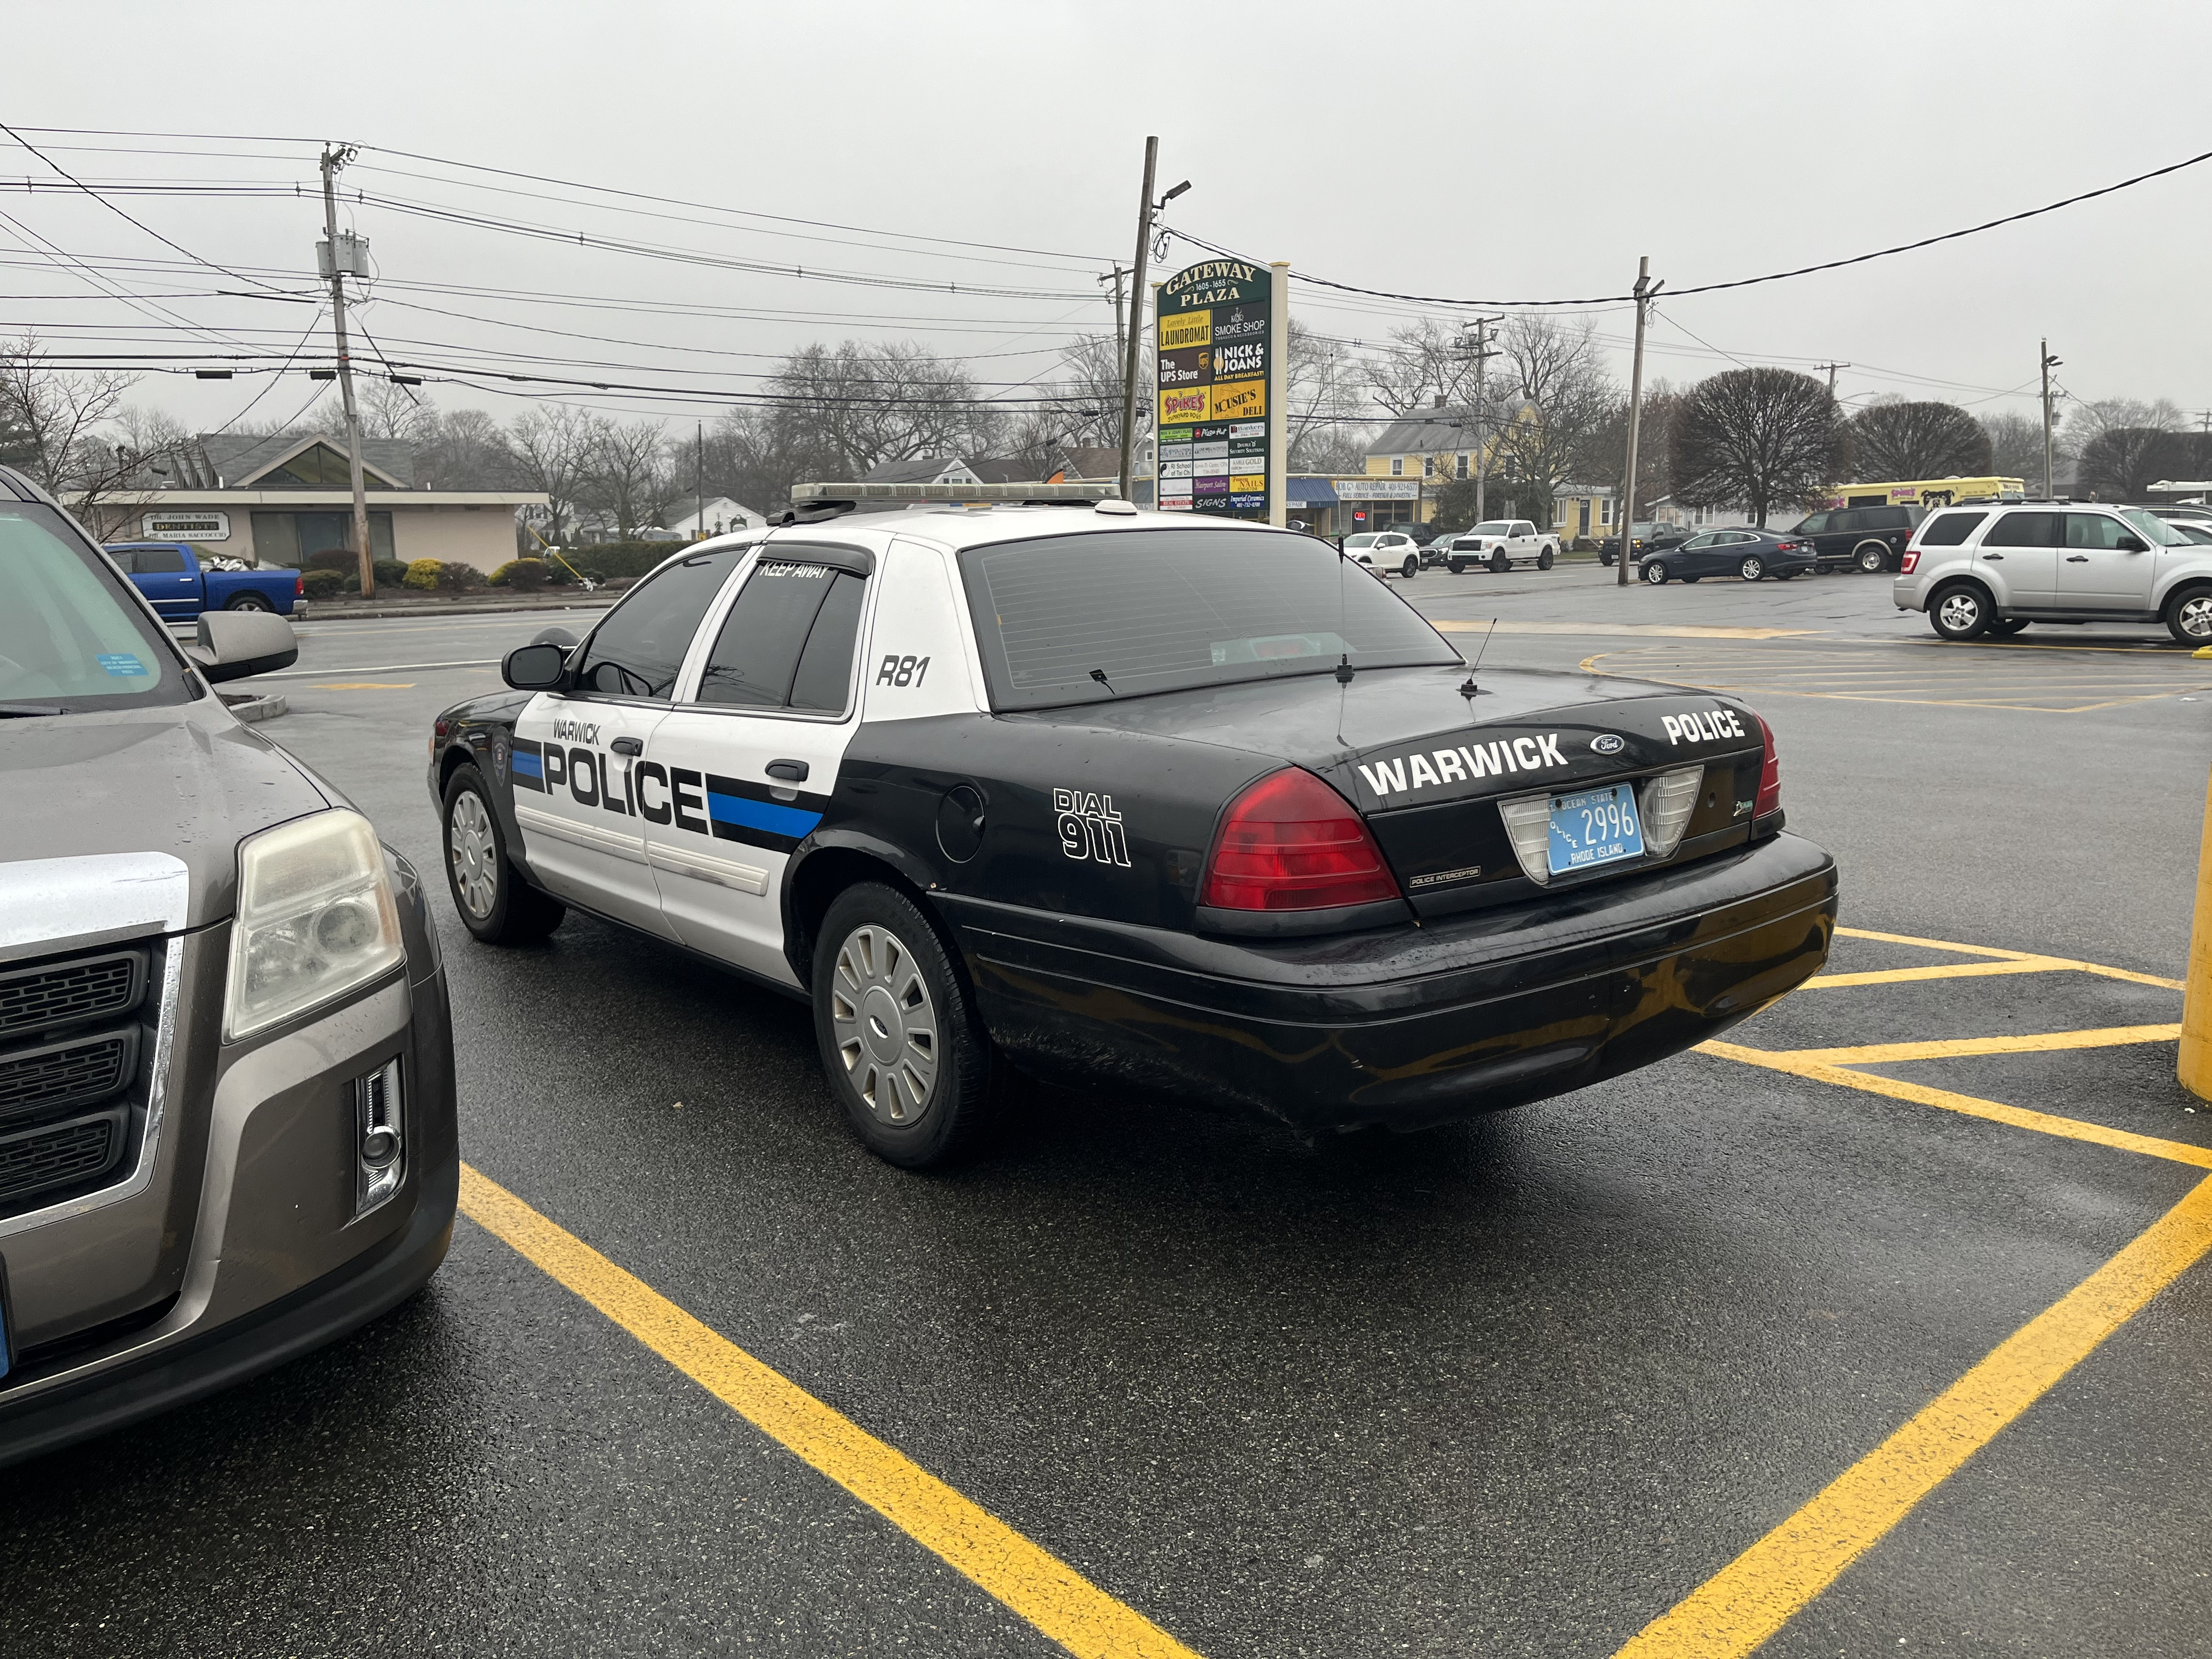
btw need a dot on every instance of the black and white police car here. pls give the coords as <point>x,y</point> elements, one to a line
<point>1115,798</point>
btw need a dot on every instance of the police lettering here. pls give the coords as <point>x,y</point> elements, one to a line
<point>1709,726</point>
<point>694,796</point>
<point>653,772</point>
<point>1464,763</point>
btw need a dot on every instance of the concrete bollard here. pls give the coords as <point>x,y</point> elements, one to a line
<point>2195,1062</point>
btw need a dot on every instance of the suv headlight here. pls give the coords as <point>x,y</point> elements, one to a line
<point>315,919</point>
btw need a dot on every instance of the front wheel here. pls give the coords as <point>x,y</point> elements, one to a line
<point>1412,567</point>
<point>496,904</point>
<point>1751,568</point>
<point>249,600</point>
<point>1785,575</point>
<point>1546,559</point>
<point>1654,572</point>
<point>906,1054</point>
<point>2009,625</point>
<point>2188,617</point>
<point>1960,613</point>
<point>1499,564</point>
<point>1459,566</point>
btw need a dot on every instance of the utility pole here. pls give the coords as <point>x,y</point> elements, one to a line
<point>1121,341</point>
<point>1136,323</point>
<point>1831,368</point>
<point>1626,519</point>
<point>338,261</point>
<point>699,477</point>
<point>1482,353</point>
<point>2050,362</point>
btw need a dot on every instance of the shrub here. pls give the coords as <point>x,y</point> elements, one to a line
<point>390,573</point>
<point>458,578</point>
<point>423,574</point>
<point>523,575</point>
<point>323,584</point>
<point>334,558</point>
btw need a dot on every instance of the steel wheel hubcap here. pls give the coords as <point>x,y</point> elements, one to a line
<point>2197,617</point>
<point>885,1024</point>
<point>473,855</point>
<point>1959,612</point>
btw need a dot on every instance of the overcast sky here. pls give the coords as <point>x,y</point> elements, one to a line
<point>1477,151</point>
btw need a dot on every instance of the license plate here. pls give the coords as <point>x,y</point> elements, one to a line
<point>1595,827</point>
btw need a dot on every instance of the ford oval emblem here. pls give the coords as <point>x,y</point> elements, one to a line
<point>1607,742</point>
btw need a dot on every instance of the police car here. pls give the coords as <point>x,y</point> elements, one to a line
<point>1149,801</point>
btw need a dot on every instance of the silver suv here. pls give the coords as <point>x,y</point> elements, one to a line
<point>1978,570</point>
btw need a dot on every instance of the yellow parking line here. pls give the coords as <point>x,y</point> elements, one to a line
<point>1043,1589</point>
<point>2020,1117</point>
<point>1946,970</point>
<point>1881,1053</point>
<point>1932,943</point>
<point>1740,1606</point>
<point>365,685</point>
<point>2097,968</point>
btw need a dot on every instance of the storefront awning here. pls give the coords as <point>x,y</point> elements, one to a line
<point>1311,492</point>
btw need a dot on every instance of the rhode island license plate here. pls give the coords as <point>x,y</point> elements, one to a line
<point>1595,827</point>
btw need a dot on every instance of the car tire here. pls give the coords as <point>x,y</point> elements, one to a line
<point>496,904</point>
<point>1546,559</point>
<point>1785,575</point>
<point>1459,566</point>
<point>1751,568</point>
<point>1960,611</point>
<point>2006,626</point>
<point>2189,615</point>
<point>248,600</point>
<point>902,1048</point>
<point>1654,573</point>
<point>1873,557</point>
<point>1412,567</point>
<point>1499,564</point>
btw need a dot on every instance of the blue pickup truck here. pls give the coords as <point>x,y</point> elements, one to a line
<point>170,574</point>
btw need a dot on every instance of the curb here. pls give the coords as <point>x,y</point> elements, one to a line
<point>254,709</point>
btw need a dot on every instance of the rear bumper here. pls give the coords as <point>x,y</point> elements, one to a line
<point>1414,1024</point>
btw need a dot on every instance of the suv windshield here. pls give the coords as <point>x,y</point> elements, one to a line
<point>2155,530</point>
<point>69,635</point>
<point>1161,610</point>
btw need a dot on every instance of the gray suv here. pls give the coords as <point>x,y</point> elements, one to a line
<point>1977,570</point>
<point>225,1063</point>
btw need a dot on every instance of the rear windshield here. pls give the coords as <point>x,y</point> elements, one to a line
<point>1162,610</point>
<point>70,635</point>
<point>1949,529</point>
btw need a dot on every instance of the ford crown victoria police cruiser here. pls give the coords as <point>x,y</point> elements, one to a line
<point>1184,806</point>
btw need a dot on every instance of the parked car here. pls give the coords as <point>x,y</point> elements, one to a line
<point>1868,538</point>
<point>1501,544</point>
<point>1750,554</point>
<point>226,1129</point>
<point>2194,529</point>
<point>1385,551</point>
<point>181,584</point>
<point>1648,538</point>
<point>1982,571</point>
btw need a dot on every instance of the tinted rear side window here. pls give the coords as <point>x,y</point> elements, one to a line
<point>1888,518</point>
<point>637,650</point>
<point>2024,530</point>
<point>788,640</point>
<point>1950,529</point>
<point>1160,609</point>
<point>158,562</point>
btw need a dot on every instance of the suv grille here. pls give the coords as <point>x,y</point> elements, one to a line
<point>70,1073</point>
<point>63,992</point>
<point>61,1154</point>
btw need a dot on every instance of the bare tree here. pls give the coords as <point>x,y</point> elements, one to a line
<point>51,418</point>
<point>462,449</point>
<point>1422,367</point>
<point>1761,437</point>
<point>1327,404</point>
<point>1603,457</point>
<point>626,471</point>
<point>551,448</point>
<point>2015,447</point>
<point>393,411</point>
<point>856,407</point>
<point>1903,439</point>
<point>1562,395</point>
<point>1088,414</point>
<point>2121,462</point>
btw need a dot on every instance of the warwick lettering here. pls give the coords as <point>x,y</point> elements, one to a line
<point>1479,760</point>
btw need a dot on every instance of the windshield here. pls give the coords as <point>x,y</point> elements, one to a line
<point>68,634</point>
<point>1493,527</point>
<point>1366,540</point>
<point>1089,617</point>
<point>2155,530</point>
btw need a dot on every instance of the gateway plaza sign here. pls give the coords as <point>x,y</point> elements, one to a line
<point>1222,331</point>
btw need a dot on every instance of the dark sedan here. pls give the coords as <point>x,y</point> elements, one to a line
<point>1750,554</point>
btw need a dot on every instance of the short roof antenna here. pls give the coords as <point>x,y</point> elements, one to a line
<point>1468,689</point>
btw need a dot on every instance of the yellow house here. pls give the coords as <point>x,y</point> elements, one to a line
<point>1434,447</point>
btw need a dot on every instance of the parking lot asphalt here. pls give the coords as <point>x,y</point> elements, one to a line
<point>1878,1327</point>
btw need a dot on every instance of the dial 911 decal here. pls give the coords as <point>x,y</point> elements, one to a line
<point>1089,828</point>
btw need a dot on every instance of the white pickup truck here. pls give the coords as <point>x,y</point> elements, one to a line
<point>1501,544</point>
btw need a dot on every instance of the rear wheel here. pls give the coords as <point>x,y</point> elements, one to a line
<point>1545,559</point>
<point>1873,557</point>
<point>2189,615</point>
<point>1785,575</point>
<point>1412,567</point>
<point>496,904</point>
<point>1751,568</point>
<point>1654,572</point>
<point>1961,613</point>
<point>249,600</point>
<point>904,1051</point>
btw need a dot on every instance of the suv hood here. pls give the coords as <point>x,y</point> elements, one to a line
<point>189,782</point>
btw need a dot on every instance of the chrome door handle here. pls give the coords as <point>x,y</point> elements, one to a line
<point>628,745</point>
<point>1993,555</point>
<point>2077,558</point>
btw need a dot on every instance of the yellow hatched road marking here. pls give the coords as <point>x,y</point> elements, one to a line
<point>365,685</point>
<point>1043,1589</point>
<point>1946,970</point>
<point>1740,1606</point>
<point>2044,962</point>
<point>1882,1053</point>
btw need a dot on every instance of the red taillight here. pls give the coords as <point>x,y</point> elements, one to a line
<point>1770,775</point>
<point>298,585</point>
<point>1911,558</point>
<point>1291,843</point>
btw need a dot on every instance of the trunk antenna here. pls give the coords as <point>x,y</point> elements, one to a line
<point>1468,689</point>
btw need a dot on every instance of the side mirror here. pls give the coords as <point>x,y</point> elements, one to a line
<point>2132,545</point>
<point>535,667</point>
<point>235,644</point>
